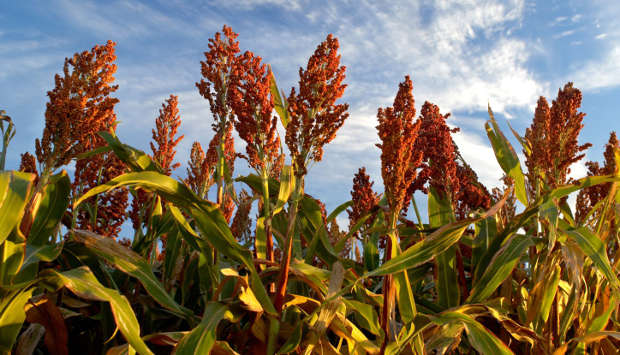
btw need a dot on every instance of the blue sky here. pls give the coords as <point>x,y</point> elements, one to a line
<point>461,55</point>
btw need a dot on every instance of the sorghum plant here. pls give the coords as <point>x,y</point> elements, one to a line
<point>524,276</point>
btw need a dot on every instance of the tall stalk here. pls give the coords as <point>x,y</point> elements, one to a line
<point>388,281</point>
<point>288,246</point>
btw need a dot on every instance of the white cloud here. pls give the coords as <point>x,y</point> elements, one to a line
<point>602,70</point>
<point>600,73</point>
<point>558,20</point>
<point>251,4</point>
<point>461,55</point>
<point>480,156</point>
<point>564,34</point>
<point>122,19</point>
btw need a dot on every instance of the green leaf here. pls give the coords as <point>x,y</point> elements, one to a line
<point>30,266</point>
<point>565,190</point>
<point>202,338</point>
<point>506,157</point>
<point>599,323</point>
<point>311,219</point>
<point>132,264</point>
<point>54,203</point>
<point>589,338</point>
<point>206,215</point>
<point>14,193</point>
<point>439,209</point>
<point>404,294</point>
<point>423,251</point>
<point>593,247</point>
<point>549,290</point>
<point>136,159</point>
<point>479,337</point>
<point>11,259</point>
<point>280,105</point>
<point>287,185</point>
<point>500,267</point>
<point>369,318</point>
<point>12,316</point>
<point>486,232</point>
<point>293,341</point>
<point>447,286</point>
<point>172,256</point>
<point>83,283</point>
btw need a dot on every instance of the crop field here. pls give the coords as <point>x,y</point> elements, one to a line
<point>104,249</point>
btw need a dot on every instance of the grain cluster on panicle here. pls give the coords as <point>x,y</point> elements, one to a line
<point>216,70</point>
<point>398,134</point>
<point>79,107</point>
<point>590,196</point>
<point>438,168</point>
<point>241,223</point>
<point>165,137</point>
<point>28,164</point>
<point>314,115</point>
<point>252,103</point>
<point>199,170</point>
<point>364,198</point>
<point>111,206</point>
<point>553,137</point>
<point>163,146</point>
<point>471,194</point>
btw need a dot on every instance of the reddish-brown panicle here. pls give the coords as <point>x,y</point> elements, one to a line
<point>398,134</point>
<point>164,136</point>
<point>110,206</point>
<point>79,107</point>
<point>217,70</point>
<point>240,227</point>
<point>471,194</point>
<point>590,196</point>
<point>252,103</point>
<point>553,138</point>
<point>363,197</point>
<point>28,164</point>
<point>314,115</point>
<point>199,171</point>
<point>438,167</point>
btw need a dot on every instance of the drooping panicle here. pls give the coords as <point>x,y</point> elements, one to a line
<point>314,115</point>
<point>165,137</point>
<point>398,134</point>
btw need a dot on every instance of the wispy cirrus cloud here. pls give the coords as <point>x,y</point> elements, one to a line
<point>462,55</point>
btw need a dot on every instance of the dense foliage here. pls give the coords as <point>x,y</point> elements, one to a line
<point>512,270</point>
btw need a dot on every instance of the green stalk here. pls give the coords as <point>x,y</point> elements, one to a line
<point>285,265</point>
<point>267,215</point>
<point>388,283</point>
<point>288,247</point>
<point>417,212</point>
